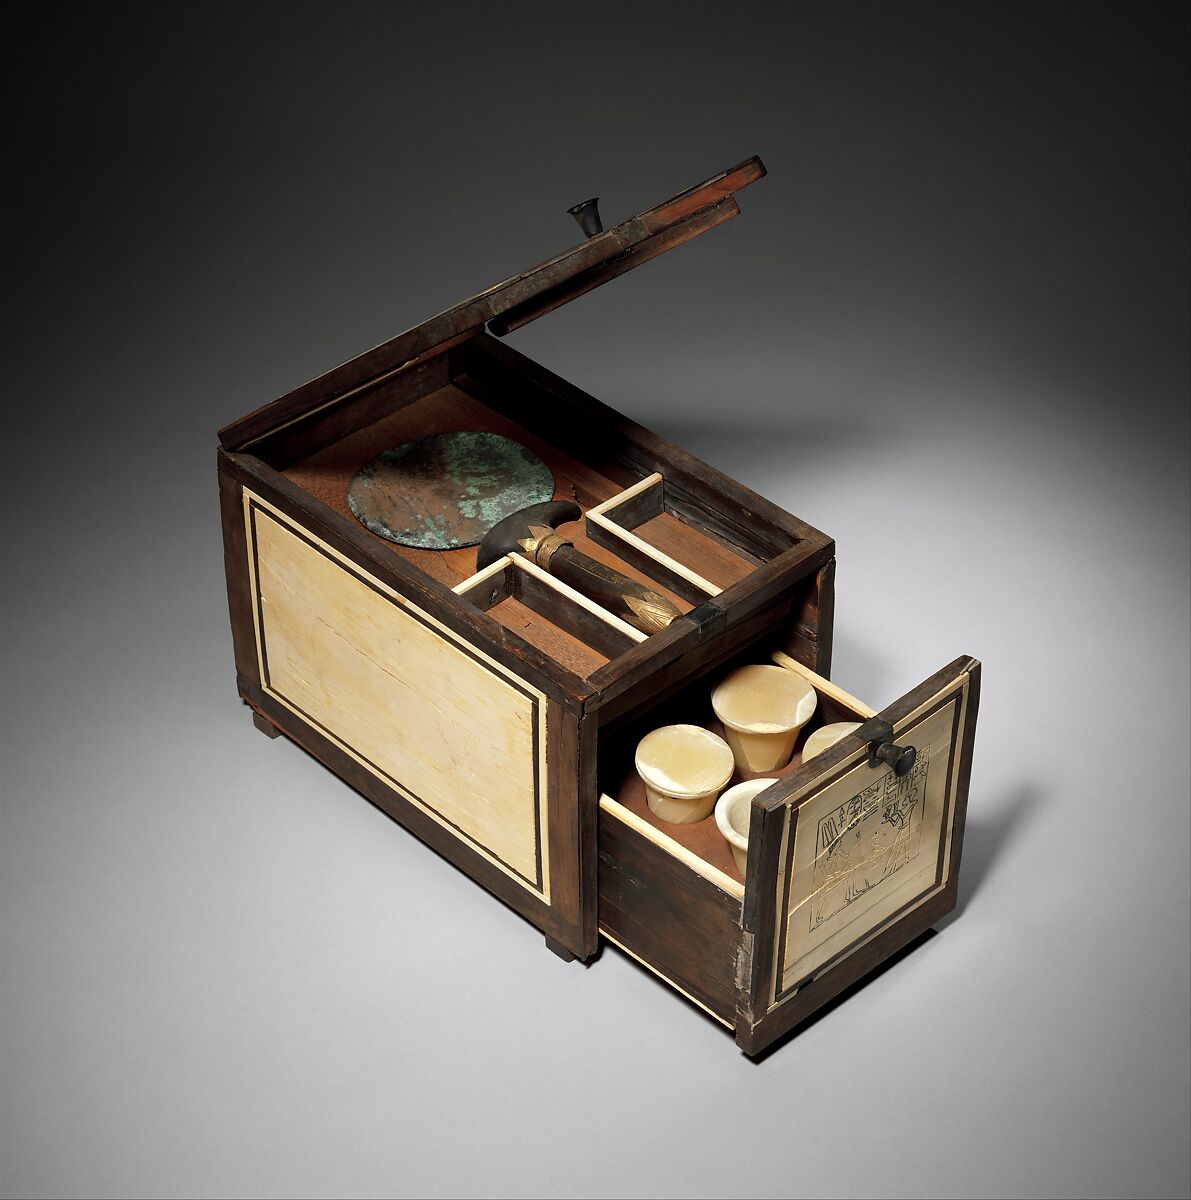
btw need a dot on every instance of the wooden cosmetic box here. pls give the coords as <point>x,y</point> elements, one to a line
<point>495,713</point>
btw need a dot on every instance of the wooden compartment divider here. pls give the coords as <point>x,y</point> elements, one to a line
<point>516,577</point>
<point>826,689</point>
<point>672,846</point>
<point>608,524</point>
<point>611,524</point>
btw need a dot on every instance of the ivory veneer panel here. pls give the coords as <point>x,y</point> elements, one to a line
<point>430,716</point>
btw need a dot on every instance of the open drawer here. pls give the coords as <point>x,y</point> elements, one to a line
<point>847,862</point>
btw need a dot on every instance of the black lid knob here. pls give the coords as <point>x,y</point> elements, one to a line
<point>588,216</point>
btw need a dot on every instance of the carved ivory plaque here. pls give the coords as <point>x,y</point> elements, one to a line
<point>868,845</point>
<point>443,725</point>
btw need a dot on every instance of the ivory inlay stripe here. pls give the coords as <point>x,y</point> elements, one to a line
<point>664,842</point>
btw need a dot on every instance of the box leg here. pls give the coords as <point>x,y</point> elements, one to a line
<point>559,949</point>
<point>264,725</point>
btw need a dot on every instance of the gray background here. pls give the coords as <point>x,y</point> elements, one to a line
<point>958,303</point>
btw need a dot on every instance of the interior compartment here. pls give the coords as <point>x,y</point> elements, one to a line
<point>671,895</point>
<point>642,526</point>
<point>517,591</point>
<point>620,785</point>
<point>465,390</point>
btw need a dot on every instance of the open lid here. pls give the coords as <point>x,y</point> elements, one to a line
<point>521,298</point>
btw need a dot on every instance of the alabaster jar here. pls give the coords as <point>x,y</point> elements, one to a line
<point>684,768</point>
<point>733,811</point>
<point>827,735</point>
<point>763,709</point>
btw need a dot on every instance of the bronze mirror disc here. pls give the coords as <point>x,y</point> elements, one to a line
<point>446,491</point>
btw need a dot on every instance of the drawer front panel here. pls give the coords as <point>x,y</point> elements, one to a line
<point>450,730</point>
<point>851,854</point>
<point>867,844</point>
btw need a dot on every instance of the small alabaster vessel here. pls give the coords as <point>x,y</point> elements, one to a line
<point>733,810</point>
<point>763,709</point>
<point>684,768</point>
<point>827,735</point>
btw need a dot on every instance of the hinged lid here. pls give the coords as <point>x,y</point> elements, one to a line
<point>519,299</point>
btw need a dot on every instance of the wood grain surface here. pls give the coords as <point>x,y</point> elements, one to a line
<point>669,916</point>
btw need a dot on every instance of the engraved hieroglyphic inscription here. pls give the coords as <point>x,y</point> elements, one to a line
<point>866,840</point>
<point>865,843</point>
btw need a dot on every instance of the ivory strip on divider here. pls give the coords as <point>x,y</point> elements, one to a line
<point>664,842</point>
<point>620,498</point>
<point>823,685</point>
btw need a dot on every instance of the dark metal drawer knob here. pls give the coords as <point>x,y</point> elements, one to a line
<point>900,758</point>
<point>588,216</point>
<point>881,748</point>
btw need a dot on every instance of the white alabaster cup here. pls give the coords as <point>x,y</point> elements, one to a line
<point>684,768</point>
<point>763,709</point>
<point>825,736</point>
<point>733,811</point>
